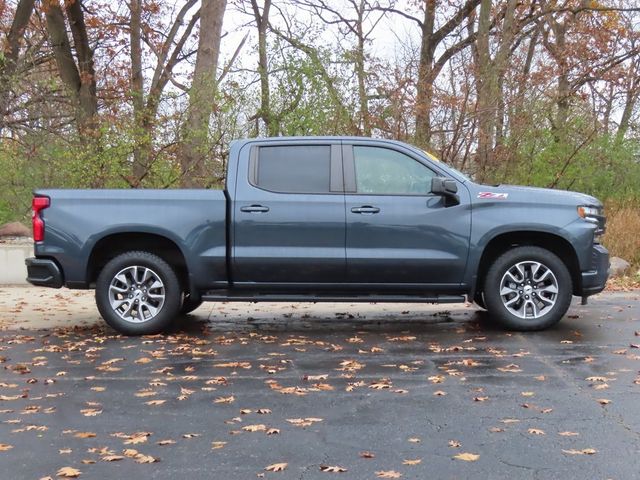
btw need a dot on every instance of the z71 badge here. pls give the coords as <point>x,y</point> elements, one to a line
<point>493,195</point>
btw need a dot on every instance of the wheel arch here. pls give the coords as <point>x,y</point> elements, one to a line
<point>502,242</point>
<point>113,244</point>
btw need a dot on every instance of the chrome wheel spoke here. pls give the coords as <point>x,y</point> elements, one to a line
<point>136,294</point>
<point>529,289</point>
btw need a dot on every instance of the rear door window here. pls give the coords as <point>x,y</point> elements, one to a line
<point>294,169</point>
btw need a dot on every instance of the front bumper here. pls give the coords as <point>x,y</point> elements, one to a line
<point>43,272</point>
<point>594,280</point>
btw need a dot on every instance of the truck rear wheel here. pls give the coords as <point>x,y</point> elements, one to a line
<point>528,288</point>
<point>138,293</point>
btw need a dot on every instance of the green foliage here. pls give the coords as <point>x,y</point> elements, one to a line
<point>581,160</point>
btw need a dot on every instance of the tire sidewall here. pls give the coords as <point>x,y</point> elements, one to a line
<point>499,311</point>
<point>172,301</point>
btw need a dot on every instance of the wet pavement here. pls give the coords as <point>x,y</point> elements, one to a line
<point>382,391</point>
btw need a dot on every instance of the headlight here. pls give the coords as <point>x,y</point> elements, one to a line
<point>590,214</point>
<point>593,215</point>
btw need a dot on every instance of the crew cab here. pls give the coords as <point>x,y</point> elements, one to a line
<point>322,219</point>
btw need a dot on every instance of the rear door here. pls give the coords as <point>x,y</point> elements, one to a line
<point>289,216</point>
<point>398,233</point>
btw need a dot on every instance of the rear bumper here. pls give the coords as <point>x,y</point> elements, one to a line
<point>43,272</point>
<point>594,280</point>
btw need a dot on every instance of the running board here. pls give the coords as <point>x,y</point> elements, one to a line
<point>226,296</point>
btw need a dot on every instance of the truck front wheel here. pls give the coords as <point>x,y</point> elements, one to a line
<point>138,293</point>
<point>527,288</point>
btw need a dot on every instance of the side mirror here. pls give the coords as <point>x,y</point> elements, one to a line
<point>446,187</point>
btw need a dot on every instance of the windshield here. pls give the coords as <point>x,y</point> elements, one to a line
<point>450,170</point>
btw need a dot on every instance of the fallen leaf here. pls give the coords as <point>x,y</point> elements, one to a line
<point>263,411</point>
<point>388,474</point>
<point>480,399</point>
<point>454,443</point>
<point>68,472</point>
<point>467,457</point>
<point>85,435</point>
<point>415,440</point>
<point>217,445</point>
<point>224,399</point>
<point>111,458</point>
<point>155,403</point>
<point>439,393</point>
<point>535,431</point>
<point>165,442</point>
<point>276,467</point>
<point>90,412</point>
<point>146,459</point>
<point>584,451</point>
<point>412,462</point>
<point>332,469</point>
<point>4,447</point>
<point>367,454</point>
<point>568,434</point>
<point>603,401</point>
<point>255,428</point>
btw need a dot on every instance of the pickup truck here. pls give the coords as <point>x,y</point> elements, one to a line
<point>323,219</point>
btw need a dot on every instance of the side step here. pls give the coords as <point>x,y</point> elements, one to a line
<point>227,296</point>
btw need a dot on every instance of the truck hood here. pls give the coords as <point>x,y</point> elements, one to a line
<point>537,195</point>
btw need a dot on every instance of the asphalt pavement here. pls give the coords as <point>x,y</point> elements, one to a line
<point>332,391</point>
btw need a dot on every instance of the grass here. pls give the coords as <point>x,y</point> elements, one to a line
<point>623,232</point>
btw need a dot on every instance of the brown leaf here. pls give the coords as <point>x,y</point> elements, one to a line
<point>414,440</point>
<point>4,447</point>
<point>467,457</point>
<point>165,442</point>
<point>276,467</point>
<point>111,458</point>
<point>480,399</point>
<point>273,431</point>
<point>412,462</point>
<point>454,444</point>
<point>584,451</point>
<point>85,435</point>
<point>439,393</point>
<point>535,431</point>
<point>367,454</point>
<point>229,399</point>
<point>263,411</point>
<point>603,401</point>
<point>155,403</point>
<point>255,428</point>
<point>568,434</point>
<point>68,472</point>
<point>146,459</point>
<point>332,469</point>
<point>388,474</point>
<point>90,412</point>
<point>217,445</point>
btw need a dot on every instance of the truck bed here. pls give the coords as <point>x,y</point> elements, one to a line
<point>77,220</point>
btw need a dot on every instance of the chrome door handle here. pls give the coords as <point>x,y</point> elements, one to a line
<point>254,209</point>
<point>365,209</point>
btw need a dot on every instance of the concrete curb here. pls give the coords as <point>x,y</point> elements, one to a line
<point>12,268</point>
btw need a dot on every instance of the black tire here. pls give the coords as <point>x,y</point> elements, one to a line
<point>189,305</point>
<point>167,311</point>
<point>478,299</point>
<point>530,289</point>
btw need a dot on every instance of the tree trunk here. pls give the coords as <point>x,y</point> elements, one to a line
<point>79,80</point>
<point>11,52</point>
<point>424,95</point>
<point>202,95</point>
<point>361,72</point>
<point>136,88</point>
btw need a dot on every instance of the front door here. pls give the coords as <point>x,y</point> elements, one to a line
<point>289,220</point>
<point>398,233</point>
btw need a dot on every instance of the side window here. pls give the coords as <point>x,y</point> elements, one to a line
<point>294,168</point>
<point>387,172</point>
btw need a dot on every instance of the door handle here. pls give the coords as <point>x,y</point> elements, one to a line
<point>254,209</point>
<point>365,209</point>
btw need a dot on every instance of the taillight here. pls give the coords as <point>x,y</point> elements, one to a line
<point>38,204</point>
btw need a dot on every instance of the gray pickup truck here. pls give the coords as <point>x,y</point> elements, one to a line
<point>323,219</point>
